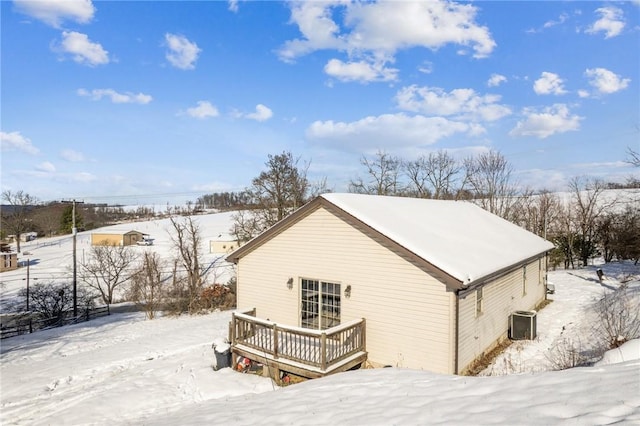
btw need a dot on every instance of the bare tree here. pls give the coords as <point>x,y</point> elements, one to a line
<point>248,224</point>
<point>588,207</point>
<point>383,175</point>
<point>618,234</point>
<point>434,175</point>
<point>47,218</point>
<point>418,174</point>
<point>565,238</point>
<point>107,269</point>
<point>633,157</point>
<point>187,240</point>
<point>283,186</point>
<point>536,213</point>
<point>15,219</point>
<point>148,284</point>
<point>275,193</point>
<point>489,177</point>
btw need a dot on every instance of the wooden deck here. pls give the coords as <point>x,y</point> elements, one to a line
<point>304,352</point>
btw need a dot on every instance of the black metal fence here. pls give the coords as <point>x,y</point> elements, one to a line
<point>23,323</point>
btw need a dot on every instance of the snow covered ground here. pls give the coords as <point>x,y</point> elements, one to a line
<point>123,369</point>
<point>51,259</point>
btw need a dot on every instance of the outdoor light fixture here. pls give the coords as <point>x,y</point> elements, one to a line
<point>347,291</point>
<point>290,283</point>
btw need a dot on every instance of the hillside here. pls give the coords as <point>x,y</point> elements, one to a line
<point>123,369</point>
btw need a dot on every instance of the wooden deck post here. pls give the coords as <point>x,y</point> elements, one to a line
<point>323,351</point>
<point>232,329</point>
<point>275,341</point>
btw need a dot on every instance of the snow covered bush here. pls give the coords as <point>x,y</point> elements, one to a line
<point>618,317</point>
<point>53,300</point>
<point>567,353</point>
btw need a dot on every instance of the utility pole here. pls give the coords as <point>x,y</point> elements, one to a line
<point>74,232</point>
<point>28,263</point>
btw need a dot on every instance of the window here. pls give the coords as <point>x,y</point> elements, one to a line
<point>479,301</point>
<point>540,280</point>
<point>319,304</point>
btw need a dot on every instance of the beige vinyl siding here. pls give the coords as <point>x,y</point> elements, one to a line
<point>409,314</point>
<point>501,297</point>
<point>106,239</point>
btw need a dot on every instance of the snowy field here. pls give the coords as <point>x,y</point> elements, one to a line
<point>123,369</point>
<point>51,259</point>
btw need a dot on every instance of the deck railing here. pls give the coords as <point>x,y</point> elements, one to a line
<point>317,348</point>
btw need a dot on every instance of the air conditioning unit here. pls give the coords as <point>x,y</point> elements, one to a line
<point>522,325</point>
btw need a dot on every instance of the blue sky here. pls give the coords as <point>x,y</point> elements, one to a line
<point>156,101</point>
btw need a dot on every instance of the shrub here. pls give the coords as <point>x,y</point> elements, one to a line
<point>566,354</point>
<point>618,318</point>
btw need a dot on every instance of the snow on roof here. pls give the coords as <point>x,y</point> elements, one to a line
<point>462,239</point>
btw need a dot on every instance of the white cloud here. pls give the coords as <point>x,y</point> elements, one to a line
<point>605,81</point>
<point>561,19</point>
<point>116,98</point>
<point>611,22</point>
<point>361,71</point>
<point>72,155</point>
<point>318,29</point>
<point>496,80</point>
<point>233,5</point>
<point>551,120</point>
<point>374,31</point>
<point>551,23</point>
<point>393,131</point>
<point>46,167</point>
<point>461,103</point>
<point>583,93</point>
<point>15,141</point>
<point>54,12</point>
<point>182,53</point>
<point>204,110</point>
<point>426,67</point>
<point>549,84</point>
<point>82,50</point>
<point>262,113</point>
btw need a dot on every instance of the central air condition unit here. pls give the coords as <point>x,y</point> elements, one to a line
<point>522,325</point>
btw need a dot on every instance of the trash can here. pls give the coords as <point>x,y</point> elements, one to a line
<point>222,352</point>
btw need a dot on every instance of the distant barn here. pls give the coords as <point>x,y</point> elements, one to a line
<point>116,238</point>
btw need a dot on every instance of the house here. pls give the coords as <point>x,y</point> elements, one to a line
<point>28,236</point>
<point>117,238</point>
<point>434,281</point>
<point>9,258</point>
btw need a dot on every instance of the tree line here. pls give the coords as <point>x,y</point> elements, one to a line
<point>584,223</point>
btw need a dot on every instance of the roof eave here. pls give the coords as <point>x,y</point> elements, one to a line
<point>503,271</point>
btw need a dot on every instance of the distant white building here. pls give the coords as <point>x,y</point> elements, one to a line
<point>223,244</point>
